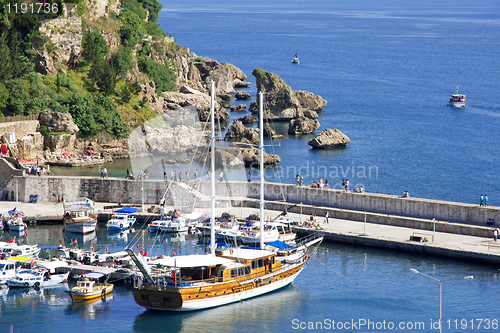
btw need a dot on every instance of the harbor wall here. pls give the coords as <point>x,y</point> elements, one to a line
<point>345,204</point>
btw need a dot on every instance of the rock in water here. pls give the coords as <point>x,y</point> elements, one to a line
<point>329,138</point>
<point>303,125</point>
<point>242,95</point>
<point>248,119</point>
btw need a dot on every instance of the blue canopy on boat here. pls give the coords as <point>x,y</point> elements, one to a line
<point>15,212</point>
<point>46,247</point>
<point>280,245</point>
<point>127,210</point>
<point>220,244</point>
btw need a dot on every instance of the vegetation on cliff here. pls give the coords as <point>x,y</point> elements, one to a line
<point>101,86</point>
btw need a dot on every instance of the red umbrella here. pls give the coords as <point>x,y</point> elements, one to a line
<point>66,153</point>
<point>90,151</point>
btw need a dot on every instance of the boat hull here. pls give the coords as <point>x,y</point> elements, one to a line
<point>170,299</point>
<point>457,104</point>
<point>80,227</point>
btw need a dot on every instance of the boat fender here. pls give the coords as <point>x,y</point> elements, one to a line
<point>231,251</point>
<point>121,225</point>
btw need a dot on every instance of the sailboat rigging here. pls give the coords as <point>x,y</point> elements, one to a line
<point>222,276</point>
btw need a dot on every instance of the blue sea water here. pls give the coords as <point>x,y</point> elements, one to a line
<point>387,69</point>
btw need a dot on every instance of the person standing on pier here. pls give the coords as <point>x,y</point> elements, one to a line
<point>164,175</point>
<point>221,176</point>
<point>187,175</point>
<point>249,176</point>
<point>301,179</point>
<point>175,175</point>
<point>297,179</point>
<point>481,200</point>
<point>486,199</point>
<point>327,215</point>
<point>347,185</point>
<point>172,175</point>
<point>196,174</point>
<point>495,234</point>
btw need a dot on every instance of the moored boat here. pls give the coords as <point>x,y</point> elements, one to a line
<point>15,221</point>
<point>87,289</point>
<point>457,100</point>
<point>36,277</point>
<point>121,219</point>
<point>7,270</point>
<point>79,216</point>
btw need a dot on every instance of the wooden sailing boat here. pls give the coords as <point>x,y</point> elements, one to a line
<point>195,282</point>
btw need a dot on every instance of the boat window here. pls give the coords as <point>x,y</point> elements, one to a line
<point>167,299</point>
<point>2,267</point>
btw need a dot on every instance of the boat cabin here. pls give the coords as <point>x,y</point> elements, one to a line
<point>7,270</point>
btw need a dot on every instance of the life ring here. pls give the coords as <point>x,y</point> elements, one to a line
<point>231,251</point>
<point>26,284</point>
<point>85,290</point>
<point>91,249</point>
<point>121,225</point>
<point>37,284</point>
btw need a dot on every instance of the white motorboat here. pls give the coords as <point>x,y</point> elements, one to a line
<point>7,270</point>
<point>270,234</point>
<point>457,100</point>
<point>155,225</point>
<point>176,225</point>
<point>79,216</point>
<point>121,219</point>
<point>15,221</point>
<point>16,250</point>
<point>36,277</point>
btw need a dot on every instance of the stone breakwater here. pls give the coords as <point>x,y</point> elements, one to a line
<point>50,188</point>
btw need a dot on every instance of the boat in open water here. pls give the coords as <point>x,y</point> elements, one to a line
<point>457,100</point>
<point>222,276</point>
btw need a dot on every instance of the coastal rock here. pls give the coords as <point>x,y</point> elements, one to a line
<point>241,84</point>
<point>189,90</point>
<point>251,157</point>
<point>224,75</point>
<point>329,138</point>
<point>225,97</point>
<point>309,101</point>
<point>238,131</point>
<point>238,108</point>
<point>281,102</point>
<point>60,142</point>
<point>303,125</point>
<point>200,101</point>
<point>237,155</point>
<point>220,115</point>
<point>242,95</point>
<point>269,132</point>
<point>58,122</point>
<point>248,119</point>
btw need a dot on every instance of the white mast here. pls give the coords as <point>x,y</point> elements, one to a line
<point>261,148</point>
<point>212,169</point>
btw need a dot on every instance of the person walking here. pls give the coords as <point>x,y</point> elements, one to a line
<point>249,176</point>
<point>105,172</point>
<point>175,175</point>
<point>347,185</point>
<point>486,199</point>
<point>196,174</point>
<point>495,234</point>
<point>164,175</point>
<point>187,176</point>
<point>327,215</point>
<point>343,184</point>
<point>301,179</point>
<point>481,200</point>
<point>297,179</point>
<point>221,176</point>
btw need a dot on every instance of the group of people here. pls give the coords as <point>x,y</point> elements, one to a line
<point>320,183</point>
<point>36,170</point>
<point>483,200</point>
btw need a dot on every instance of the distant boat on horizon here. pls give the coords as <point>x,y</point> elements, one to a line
<point>457,100</point>
<point>295,60</point>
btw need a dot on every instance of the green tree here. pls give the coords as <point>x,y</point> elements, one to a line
<point>18,96</point>
<point>94,47</point>
<point>131,29</point>
<point>4,96</point>
<point>122,61</point>
<point>154,8</point>
<point>163,75</point>
<point>126,95</point>
<point>103,75</point>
